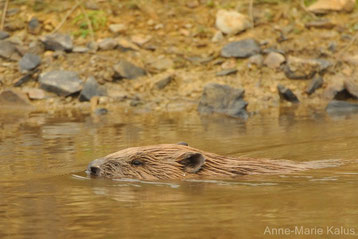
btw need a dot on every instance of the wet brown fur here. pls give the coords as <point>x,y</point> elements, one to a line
<point>172,161</point>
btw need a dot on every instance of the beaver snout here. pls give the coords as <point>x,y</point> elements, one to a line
<point>94,168</point>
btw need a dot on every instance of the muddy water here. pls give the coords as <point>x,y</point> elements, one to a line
<point>46,194</point>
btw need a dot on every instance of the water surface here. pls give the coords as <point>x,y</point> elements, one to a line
<point>46,194</point>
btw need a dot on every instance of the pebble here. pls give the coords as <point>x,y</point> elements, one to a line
<point>107,44</point>
<point>63,83</point>
<point>223,99</point>
<point>315,84</point>
<point>117,28</point>
<point>34,26</point>
<point>90,89</point>
<point>241,49</point>
<point>274,60</point>
<point>125,69</point>
<point>300,68</point>
<point>227,72</point>
<point>57,42</point>
<point>161,84</point>
<point>325,6</point>
<point>14,97</point>
<point>4,35</point>
<point>29,62</point>
<point>231,22</point>
<point>34,93</point>
<point>287,94</point>
<point>218,36</point>
<point>8,50</point>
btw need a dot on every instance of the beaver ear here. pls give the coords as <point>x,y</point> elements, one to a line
<point>183,143</point>
<point>192,162</point>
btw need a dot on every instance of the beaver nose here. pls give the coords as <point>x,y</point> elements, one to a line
<point>94,167</point>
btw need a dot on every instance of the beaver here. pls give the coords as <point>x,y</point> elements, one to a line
<point>180,161</point>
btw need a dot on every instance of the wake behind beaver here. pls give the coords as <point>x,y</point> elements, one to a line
<point>180,161</point>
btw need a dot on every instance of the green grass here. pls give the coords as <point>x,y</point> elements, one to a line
<point>97,18</point>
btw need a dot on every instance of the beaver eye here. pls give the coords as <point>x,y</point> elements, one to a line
<point>136,162</point>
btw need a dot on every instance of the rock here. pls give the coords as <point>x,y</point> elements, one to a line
<point>101,111</point>
<point>241,49</point>
<point>351,87</point>
<point>14,97</point>
<point>324,6</point>
<point>287,94</point>
<point>15,25</point>
<point>223,99</point>
<point>140,40</point>
<point>161,84</point>
<point>125,45</point>
<point>117,28</point>
<point>34,93</point>
<point>4,35</point>
<point>9,51</point>
<point>34,26</point>
<point>29,62</point>
<point>162,64</point>
<point>299,68</point>
<point>61,82</point>
<point>227,72</point>
<point>91,88</point>
<point>274,60</point>
<point>80,49</point>
<point>218,36</point>
<point>92,5</point>
<point>315,84</point>
<point>57,42</point>
<point>192,4</point>
<point>341,107</point>
<point>107,44</point>
<point>257,60</point>
<point>231,22</point>
<point>321,23</point>
<point>125,69</point>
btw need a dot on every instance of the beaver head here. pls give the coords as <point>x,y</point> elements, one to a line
<point>166,161</point>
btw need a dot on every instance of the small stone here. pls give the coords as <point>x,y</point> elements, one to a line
<point>58,42</point>
<point>117,28</point>
<point>15,25</point>
<point>107,44</point>
<point>315,84</point>
<point>257,60</point>
<point>80,49</point>
<point>227,72</point>
<point>324,6</point>
<point>101,111</point>
<point>8,51</point>
<point>14,97</point>
<point>299,68</point>
<point>218,36</point>
<point>231,22</point>
<point>34,93</point>
<point>161,84</point>
<point>223,99</point>
<point>125,45</point>
<point>241,49</point>
<point>29,62</point>
<point>162,64</point>
<point>63,83</point>
<point>274,60</point>
<point>34,26</point>
<point>140,40</point>
<point>287,94</point>
<point>351,87</point>
<point>125,69</point>
<point>4,35</point>
<point>91,5</point>
<point>321,23</point>
<point>90,89</point>
<point>192,4</point>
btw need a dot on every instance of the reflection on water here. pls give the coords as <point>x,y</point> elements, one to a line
<point>46,194</point>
